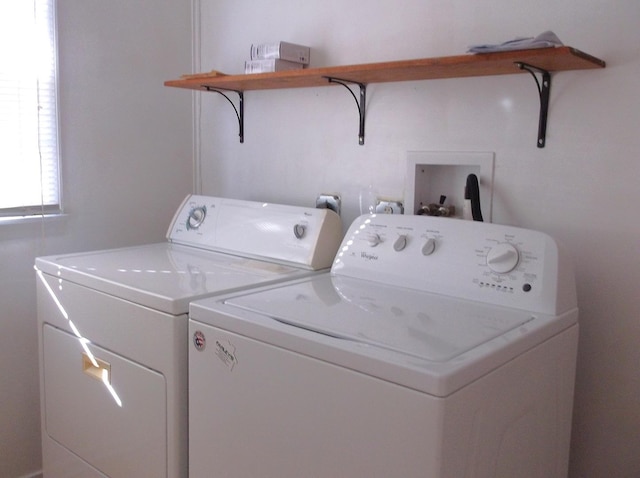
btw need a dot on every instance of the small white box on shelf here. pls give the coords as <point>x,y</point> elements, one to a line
<point>269,66</point>
<point>281,51</point>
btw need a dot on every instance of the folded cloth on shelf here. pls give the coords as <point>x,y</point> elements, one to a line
<point>544,40</point>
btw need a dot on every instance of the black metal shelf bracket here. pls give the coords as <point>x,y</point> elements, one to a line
<point>361,104</point>
<point>239,111</point>
<point>544,89</point>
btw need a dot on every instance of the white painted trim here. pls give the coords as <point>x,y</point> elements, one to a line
<point>196,57</point>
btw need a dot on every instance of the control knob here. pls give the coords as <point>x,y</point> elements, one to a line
<point>429,246</point>
<point>373,240</point>
<point>299,230</point>
<point>503,258</point>
<point>196,217</point>
<point>400,243</point>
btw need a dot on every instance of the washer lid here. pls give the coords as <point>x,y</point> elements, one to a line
<point>164,276</point>
<point>414,323</point>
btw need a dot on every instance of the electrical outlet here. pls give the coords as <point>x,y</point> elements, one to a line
<point>329,201</point>
<point>385,206</point>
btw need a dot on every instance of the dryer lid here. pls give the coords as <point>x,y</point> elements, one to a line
<point>419,324</point>
<point>164,276</point>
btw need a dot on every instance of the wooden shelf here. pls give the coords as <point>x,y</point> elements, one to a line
<point>544,60</point>
<point>503,63</point>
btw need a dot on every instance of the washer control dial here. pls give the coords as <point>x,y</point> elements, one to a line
<point>374,240</point>
<point>429,246</point>
<point>299,230</point>
<point>503,258</point>
<point>196,217</point>
<point>400,243</point>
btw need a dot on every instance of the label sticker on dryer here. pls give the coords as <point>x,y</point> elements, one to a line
<point>226,352</point>
<point>199,341</point>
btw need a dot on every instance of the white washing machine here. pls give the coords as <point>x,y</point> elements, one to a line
<point>113,329</point>
<point>435,348</point>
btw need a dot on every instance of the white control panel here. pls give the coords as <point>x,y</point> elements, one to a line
<point>491,263</point>
<point>305,237</point>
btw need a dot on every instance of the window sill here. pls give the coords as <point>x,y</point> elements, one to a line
<point>13,220</point>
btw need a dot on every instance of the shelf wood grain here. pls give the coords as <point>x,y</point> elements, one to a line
<point>487,64</point>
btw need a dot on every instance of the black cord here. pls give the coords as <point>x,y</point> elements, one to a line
<point>472,192</point>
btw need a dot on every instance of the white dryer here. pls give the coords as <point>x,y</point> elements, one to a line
<point>435,348</point>
<point>113,329</point>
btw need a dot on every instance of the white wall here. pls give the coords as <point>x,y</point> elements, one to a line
<point>126,163</point>
<point>582,188</point>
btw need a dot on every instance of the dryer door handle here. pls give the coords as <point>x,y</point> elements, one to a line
<point>96,368</point>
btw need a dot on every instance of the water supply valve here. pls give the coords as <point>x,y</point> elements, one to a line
<point>439,209</point>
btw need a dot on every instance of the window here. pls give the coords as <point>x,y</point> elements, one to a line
<point>29,167</point>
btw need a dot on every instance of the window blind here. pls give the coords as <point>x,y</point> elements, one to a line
<point>29,158</point>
